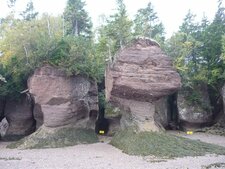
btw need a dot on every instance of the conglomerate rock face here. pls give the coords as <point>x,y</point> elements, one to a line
<point>61,100</point>
<point>141,75</point>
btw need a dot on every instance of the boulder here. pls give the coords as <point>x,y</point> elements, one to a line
<point>137,80</point>
<point>4,125</point>
<point>194,114</point>
<point>61,100</point>
<point>19,115</point>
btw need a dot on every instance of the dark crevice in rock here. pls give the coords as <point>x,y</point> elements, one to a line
<point>102,124</point>
<point>172,112</point>
<point>2,108</point>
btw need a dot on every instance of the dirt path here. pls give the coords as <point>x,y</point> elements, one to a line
<point>97,156</point>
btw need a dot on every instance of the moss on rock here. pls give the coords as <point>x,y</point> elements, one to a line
<point>161,145</point>
<point>56,137</point>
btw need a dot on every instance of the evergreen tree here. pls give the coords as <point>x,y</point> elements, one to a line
<point>76,19</point>
<point>189,26</point>
<point>147,23</point>
<point>212,47</point>
<point>29,12</point>
<point>11,3</point>
<point>119,26</point>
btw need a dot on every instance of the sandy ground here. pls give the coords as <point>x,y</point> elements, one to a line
<point>102,156</point>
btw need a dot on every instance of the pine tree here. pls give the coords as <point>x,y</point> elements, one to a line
<point>212,49</point>
<point>29,12</point>
<point>189,26</point>
<point>76,18</point>
<point>119,26</point>
<point>147,23</point>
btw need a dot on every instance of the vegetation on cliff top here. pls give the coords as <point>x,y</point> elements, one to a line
<point>67,41</point>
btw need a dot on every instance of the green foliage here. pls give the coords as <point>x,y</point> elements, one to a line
<point>147,24</point>
<point>117,33</point>
<point>77,55</point>
<point>212,50</point>
<point>76,19</point>
<point>197,50</point>
<point>29,13</point>
<point>189,26</point>
<point>26,45</point>
<point>223,48</point>
<point>161,145</point>
<point>60,53</point>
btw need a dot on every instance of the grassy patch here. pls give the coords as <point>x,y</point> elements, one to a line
<point>161,145</point>
<point>53,138</point>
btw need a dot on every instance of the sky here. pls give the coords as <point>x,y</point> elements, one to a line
<point>170,12</point>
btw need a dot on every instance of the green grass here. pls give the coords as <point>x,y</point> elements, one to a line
<point>161,145</point>
<point>54,138</point>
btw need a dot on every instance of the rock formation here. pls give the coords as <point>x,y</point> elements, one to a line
<point>194,115</point>
<point>61,100</point>
<point>140,77</point>
<point>19,115</point>
<point>4,125</point>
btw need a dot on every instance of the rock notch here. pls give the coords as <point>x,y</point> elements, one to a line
<point>138,80</point>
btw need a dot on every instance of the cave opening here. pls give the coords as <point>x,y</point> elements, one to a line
<point>101,124</point>
<point>172,112</point>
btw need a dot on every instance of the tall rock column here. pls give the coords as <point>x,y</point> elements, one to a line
<point>138,81</point>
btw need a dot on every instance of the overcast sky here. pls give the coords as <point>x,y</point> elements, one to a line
<point>170,12</point>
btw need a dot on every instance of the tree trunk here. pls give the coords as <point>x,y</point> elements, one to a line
<point>76,28</point>
<point>49,30</point>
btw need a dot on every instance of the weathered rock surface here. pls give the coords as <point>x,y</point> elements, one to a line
<point>194,115</point>
<point>2,108</point>
<point>62,100</point>
<point>4,125</point>
<point>38,115</point>
<point>139,77</point>
<point>20,117</point>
